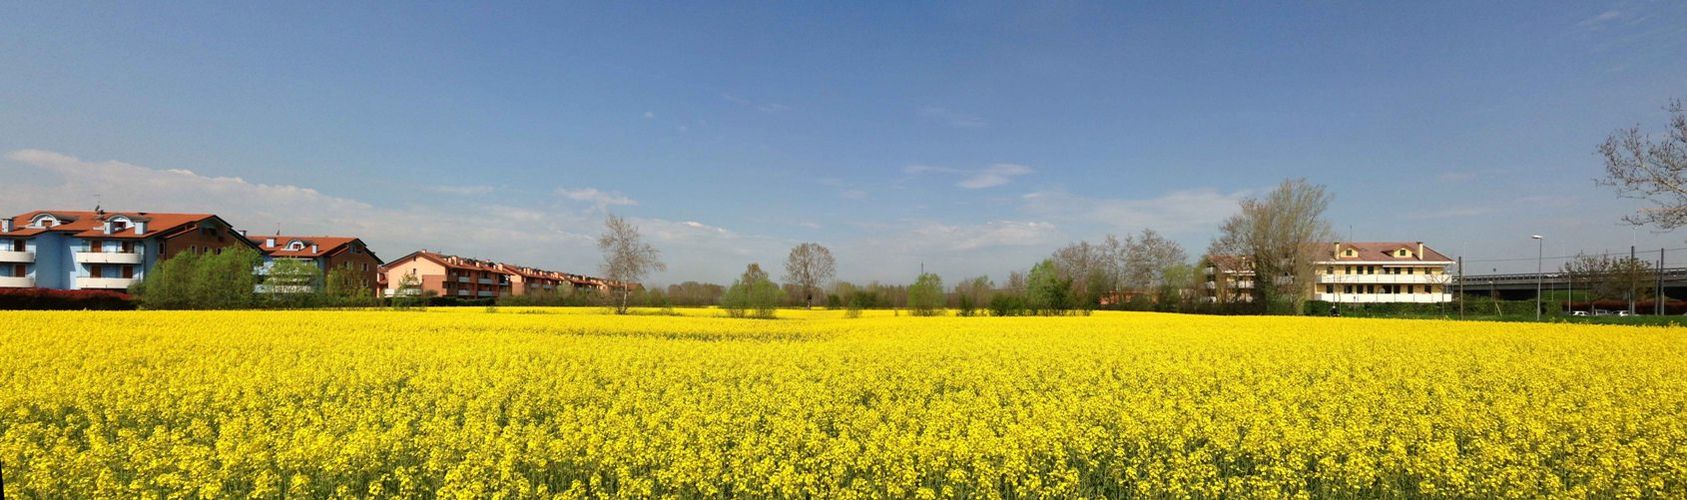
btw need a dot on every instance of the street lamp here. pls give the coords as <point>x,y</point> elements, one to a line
<point>1540,252</point>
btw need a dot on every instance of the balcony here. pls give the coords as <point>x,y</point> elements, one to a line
<point>1389,279</point>
<point>486,281</point>
<point>105,283</point>
<point>109,257</point>
<point>16,282</point>
<point>487,293</point>
<point>1386,298</point>
<point>462,279</point>
<point>12,257</point>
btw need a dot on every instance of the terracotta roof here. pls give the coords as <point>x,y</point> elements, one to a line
<point>88,224</point>
<point>1384,251</point>
<point>454,262</point>
<point>324,245</point>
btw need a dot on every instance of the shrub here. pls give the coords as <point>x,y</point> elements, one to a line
<point>63,300</point>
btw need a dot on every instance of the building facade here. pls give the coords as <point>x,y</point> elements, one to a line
<point>327,253</point>
<point>1347,273</point>
<point>100,250</point>
<point>452,276</point>
<point>1383,272</point>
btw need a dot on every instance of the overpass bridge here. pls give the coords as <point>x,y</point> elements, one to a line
<point>1520,286</point>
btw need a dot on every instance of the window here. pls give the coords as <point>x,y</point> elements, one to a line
<point>96,272</point>
<point>94,246</point>
<point>128,247</point>
<point>296,246</point>
<point>17,245</point>
<point>128,272</point>
<point>19,270</point>
<point>1329,289</point>
<point>1347,289</point>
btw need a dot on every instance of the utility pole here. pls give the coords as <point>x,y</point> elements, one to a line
<point>1633,284</point>
<point>1660,294</point>
<point>1540,254</point>
<point>1461,287</point>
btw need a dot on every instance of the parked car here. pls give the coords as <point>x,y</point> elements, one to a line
<point>1578,313</point>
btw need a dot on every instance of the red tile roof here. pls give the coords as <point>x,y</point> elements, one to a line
<point>88,224</point>
<point>324,245</point>
<point>1384,251</point>
<point>454,262</point>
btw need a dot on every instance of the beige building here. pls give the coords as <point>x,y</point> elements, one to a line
<point>1383,272</point>
<point>1348,273</point>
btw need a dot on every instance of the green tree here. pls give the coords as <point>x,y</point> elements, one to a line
<point>1048,291</point>
<point>347,288</point>
<point>292,283</point>
<point>925,298</point>
<point>753,295</point>
<point>169,285</point>
<point>222,280</point>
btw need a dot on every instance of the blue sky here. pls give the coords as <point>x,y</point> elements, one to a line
<point>972,137</point>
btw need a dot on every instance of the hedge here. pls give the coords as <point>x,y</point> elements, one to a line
<point>65,300</point>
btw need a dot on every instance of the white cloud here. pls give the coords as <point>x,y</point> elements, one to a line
<point>1177,211</point>
<point>649,114</point>
<point>554,236</point>
<point>1598,21</point>
<point>596,197</point>
<point>951,117</point>
<point>462,190</point>
<point>990,176</point>
<point>994,175</point>
<point>809,225</point>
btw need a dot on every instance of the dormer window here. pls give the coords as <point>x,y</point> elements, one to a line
<point>119,224</point>
<point>44,220</point>
<point>1349,253</point>
<point>1402,253</point>
<point>296,246</point>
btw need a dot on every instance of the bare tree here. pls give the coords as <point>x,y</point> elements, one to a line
<point>1147,257</point>
<point>1282,235</point>
<point>808,267</point>
<point>1612,277</point>
<point>626,258</point>
<point>1652,170</point>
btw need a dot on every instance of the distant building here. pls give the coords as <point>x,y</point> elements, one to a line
<point>1383,272</point>
<point>327,253</point>
<point>1229,278</point>
<point>100,250</point>
<point>1347,273</point>
<point>452,276</point>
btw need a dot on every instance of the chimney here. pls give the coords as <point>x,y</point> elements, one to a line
<point>1338,250</point>
<point>1420,250</point>
<point>106,228</point>
<point>242,233</point>
<point>140,227</point>
<point>269,242</point>
<point>313,248</point>
<point>6,225</point>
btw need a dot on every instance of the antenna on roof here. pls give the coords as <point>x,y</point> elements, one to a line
<point>97,210</point>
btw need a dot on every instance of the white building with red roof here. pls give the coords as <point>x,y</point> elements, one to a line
<point>1348,273</point>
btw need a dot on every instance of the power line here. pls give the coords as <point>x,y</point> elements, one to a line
<point>1562,257</point>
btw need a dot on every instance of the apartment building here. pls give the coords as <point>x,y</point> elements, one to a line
<point>452,276</point>
<point>1383,272</point>
<point>100,250</point>
<point>1229,278</point>
<point>1348,273</point>
<point>327,253</point>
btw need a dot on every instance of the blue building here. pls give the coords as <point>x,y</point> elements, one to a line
<point>100,250</point>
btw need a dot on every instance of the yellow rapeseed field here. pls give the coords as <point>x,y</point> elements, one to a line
<point>536,402</point>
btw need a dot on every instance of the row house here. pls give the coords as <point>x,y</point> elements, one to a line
<point>100,250</point>
<point>327,253</point>
<point>1348,273</point>
<point>453,276</point>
